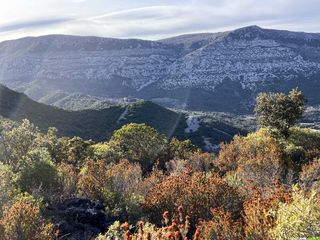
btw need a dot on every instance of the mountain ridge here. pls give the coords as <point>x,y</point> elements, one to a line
<point>209,71</point>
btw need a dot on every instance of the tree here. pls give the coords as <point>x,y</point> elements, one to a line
<point>137,143</point>
<point>278,111</point>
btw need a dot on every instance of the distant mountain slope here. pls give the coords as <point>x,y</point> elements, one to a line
<point>100,124</point>
<point>207,71</point>
<point>78,101</point>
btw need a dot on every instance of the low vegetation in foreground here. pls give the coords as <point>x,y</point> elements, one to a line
<point>261,186</point>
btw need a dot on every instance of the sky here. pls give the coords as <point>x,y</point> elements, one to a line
<point>152,19</point>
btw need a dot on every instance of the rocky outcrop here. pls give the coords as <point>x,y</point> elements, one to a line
<point>79,219</point>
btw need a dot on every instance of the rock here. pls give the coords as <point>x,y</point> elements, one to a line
<point>79,219</point>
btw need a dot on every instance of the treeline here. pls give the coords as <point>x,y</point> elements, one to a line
<point>261,186</point>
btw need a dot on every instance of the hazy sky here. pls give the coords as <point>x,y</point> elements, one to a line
<point>152,19</point>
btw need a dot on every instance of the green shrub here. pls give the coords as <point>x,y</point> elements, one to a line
<point>306,139</point>
<point>114,232</point>
<point>124,208</point>
<point>299,218</point>
<point>16,142</point>
<point>6,185</point>
<point>39,178</point>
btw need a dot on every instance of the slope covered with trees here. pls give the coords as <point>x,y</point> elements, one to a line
<point>99,124</point>
<point>140,185</point>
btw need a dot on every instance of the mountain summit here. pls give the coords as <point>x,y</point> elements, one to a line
<point>207,71</point>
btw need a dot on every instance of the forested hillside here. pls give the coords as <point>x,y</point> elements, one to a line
<point>99,124</point>
<point>141,185</point>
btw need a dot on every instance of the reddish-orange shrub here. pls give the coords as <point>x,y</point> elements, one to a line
<point>122,177</point>
<point>92,179</point>
<point>257,159</point>
<point>198,192</point>
<point>23,221</point>
<point>175,228</point>
<point>310,176</point>
<point>68,179</point>
<point>259,210</point>
<point>222,226</point>
<point>227,159</point>
<point>151,180</point>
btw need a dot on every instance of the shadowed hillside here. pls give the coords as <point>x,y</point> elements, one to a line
<point>100,124</point>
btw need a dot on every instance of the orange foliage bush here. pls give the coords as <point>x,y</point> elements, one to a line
<point>151,180</point>
<point>227,159</point>
<point>23,221</point>
<point>123,177</point>
<point>175,228</point>
<point>222,226</point>
<point>68,178</point>
<point>257,159</point>
<point>310,176</point>
<point>178,226</point>
<point>92,179</point>
<point>197,191</point>
<point>259,210</point>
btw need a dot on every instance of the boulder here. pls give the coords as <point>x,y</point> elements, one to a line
<point>79,219</point>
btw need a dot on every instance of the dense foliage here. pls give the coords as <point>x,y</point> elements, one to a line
<point>260,186</point>
<point>279,111</point>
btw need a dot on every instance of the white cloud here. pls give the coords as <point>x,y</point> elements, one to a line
<point>157,19</point>
<point>79,1</point>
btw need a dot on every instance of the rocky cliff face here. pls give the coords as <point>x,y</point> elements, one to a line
<point>249,56</point>
<point>219,71</point>
<point>84,64</point>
